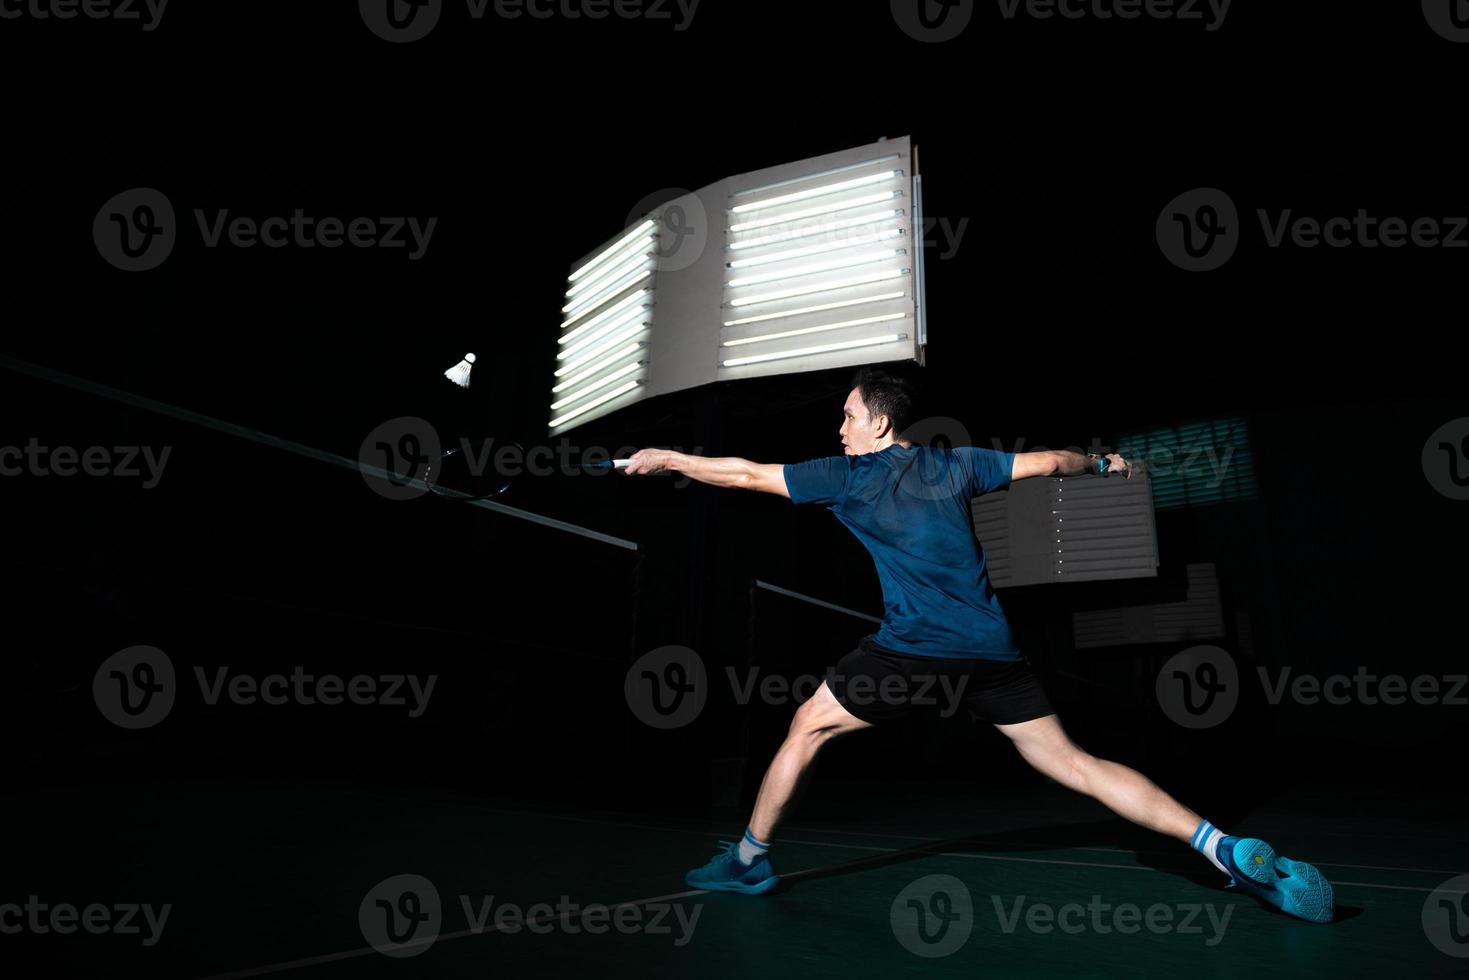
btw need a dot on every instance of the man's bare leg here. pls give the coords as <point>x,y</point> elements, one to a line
<point>1294,887</point>
<point>1045,745</point>
<point>743,867</point>
<point>817,722</point>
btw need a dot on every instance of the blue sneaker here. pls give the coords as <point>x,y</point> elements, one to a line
<point>1294,887</point>
<point>726,873</point>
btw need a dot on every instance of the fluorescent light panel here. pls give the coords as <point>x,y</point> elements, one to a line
<point>644,243</point>
<point>821,349</point>
<point>818,288</point>
<point>600,400</point>
<point>817,176</point>
<point>616,309</point>
<point>811,231</point>
<point>814,268</point>
<point>846,185</point>
<point>640,246</point>
<point>613,272</point>
<point>611,342</point>
<point>610,327</point>
<point>621,372</point>
<point>864,321</point>
<point>809,250</point>
<point>601,365</point>
<point>645,228</point>
<point>812,212</point>
<point>587,303</point>
<point>820,308</point>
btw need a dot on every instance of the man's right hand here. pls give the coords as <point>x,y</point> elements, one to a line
<point>652,462</point>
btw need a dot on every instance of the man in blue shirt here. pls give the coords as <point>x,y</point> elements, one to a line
<point>944,636</point>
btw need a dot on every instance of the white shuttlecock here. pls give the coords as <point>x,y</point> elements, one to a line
<point>459,373</point>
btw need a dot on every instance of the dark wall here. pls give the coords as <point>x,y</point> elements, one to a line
<point>1054,320</point>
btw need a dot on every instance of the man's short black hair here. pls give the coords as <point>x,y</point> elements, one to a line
<point>885,393</point>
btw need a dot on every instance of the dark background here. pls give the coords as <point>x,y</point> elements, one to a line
<point>1057,321</point>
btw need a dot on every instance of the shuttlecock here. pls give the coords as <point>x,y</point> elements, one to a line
<point>459,373</point>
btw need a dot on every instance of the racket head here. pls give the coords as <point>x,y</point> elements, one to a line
<point>453,478</point>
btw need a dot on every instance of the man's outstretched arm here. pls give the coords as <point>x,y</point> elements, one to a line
<point>1062,462</point>
<point>717,471</point>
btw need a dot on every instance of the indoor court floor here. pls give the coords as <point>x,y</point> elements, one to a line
<point>274,878</point>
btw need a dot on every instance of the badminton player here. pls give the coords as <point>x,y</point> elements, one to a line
<point>944,631</point>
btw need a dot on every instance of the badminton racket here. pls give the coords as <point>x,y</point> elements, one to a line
<point>451,473</point>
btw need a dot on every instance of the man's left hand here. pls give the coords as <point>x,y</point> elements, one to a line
<point>1117,466</point>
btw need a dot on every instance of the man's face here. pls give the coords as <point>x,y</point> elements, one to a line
<point>857,428</point>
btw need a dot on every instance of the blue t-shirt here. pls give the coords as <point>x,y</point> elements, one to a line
<point>910,508</point>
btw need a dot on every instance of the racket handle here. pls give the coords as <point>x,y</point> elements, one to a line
<point>611,464</point>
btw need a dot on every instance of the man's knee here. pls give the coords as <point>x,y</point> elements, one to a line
<point>1081,770</point>
<point>1052,752</point>
<point>810,720</point>
<point>822,717</point>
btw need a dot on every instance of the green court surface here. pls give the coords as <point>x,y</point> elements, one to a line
<point>268,878</point>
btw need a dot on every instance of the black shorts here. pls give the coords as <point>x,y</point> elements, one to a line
<point>877,684</point>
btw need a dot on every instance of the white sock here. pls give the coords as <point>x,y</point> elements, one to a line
<point>1206,838</point>
<point>751,848</point>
